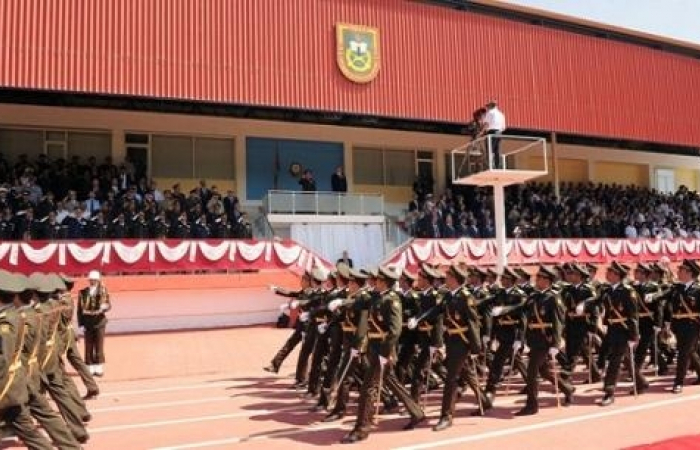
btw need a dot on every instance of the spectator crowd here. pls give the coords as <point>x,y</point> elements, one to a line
<point>75,199</point>
<point>581,211</point>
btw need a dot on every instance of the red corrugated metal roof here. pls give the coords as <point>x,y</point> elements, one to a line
<point>437,63</point>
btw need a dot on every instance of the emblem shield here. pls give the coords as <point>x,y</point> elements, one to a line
<point>357,52</point>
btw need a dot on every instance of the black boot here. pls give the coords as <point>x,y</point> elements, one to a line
<point>444,423</point>
<point>608,399</point>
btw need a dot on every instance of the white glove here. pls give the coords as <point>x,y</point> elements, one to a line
<point>284,307</point>
<point>553,352</point>
<point>294,304</point>
<point>272,287</point>
<point>497,311</point>
<point>486,340</point>
<point>412,323</point>
<point>648,298</point>
<point>494,345</point>
<point>81,331</point>
<point>383,360</point>
<point>517,345</point>
<point>433,350</point>
<point>104,307</point>
<point>632,344</point>
<point>304,317</point>
<point>354,353</point>
<point>322,327</point>
<point>657,330</point>
<point>303,335</point>
<point>335,304</point>
<point>579,308</point>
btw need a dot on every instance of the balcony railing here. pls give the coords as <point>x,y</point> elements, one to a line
<point>323,203</point>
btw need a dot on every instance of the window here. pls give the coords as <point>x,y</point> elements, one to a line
<point>386,167</point>
<point>192,157</point>
<point>21,142</point>
<point>214,158</point>
<point>171,156</point>
<point>86,145</point>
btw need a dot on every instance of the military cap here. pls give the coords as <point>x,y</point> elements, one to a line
<point>354,274</point>
<point>508,273</point>
<point>387,273</point>
<point>319,275</point>
<point>591,267</point>
<point>491,273</point>
<point>618,268</point>
<point>411,276</point>
<point>546,272</point>
<point>343,270</point>
<point>332,275</point>
<point>646,268</point>
<point>477,272</point>
<point>41,282</point>
<point>371,272</point>
<point>692,266</point>
<point>430,272</point>
<point>578,268</point>
<point>459,272</point>
<point>57,281</point>
<point>522,273</point>
<point>657,268</point>
<point>10,282</point>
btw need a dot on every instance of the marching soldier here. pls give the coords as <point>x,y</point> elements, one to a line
<point>13,382</point>
<point>93,304</point>
<point>322,318</point>
<point>683,318</point>
<point>384,328</point>
<point>543,312</point>
<point>34,340</point>
<point>352,315</point>
<point>430,329</point>
<point>524,279</point>
<point>509,328</point>
<point>463,341</point>
<point>659,275</point>
<point>622,320</point>
<point>579,300</point>
<point>309,305</point>
<point>299,326</point>
<point>410,307</point>
<point>650,315</point>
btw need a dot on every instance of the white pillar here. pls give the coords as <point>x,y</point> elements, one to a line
<point>499,209</point>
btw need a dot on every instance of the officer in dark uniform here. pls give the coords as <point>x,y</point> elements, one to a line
<point>622,319</point>
<point>13,381</point>
<point>650,314</point>
<point>410,307</point>
<point>321,321</point>
<point>579,299</point>
<point>659,276</point>
<point>430,329</point>
<point>384,328</point>
<point>544,316</point>
<point>308,307</point>
<point>683,318</point>
<point>93,305</point>
<point>463,340</point>
<point>352,315</point>
<point>509,329</point>
<point>299,326</point>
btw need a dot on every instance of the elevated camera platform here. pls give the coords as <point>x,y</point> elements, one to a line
<point>520,159</point>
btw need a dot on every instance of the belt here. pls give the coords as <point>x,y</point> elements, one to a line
<point>686,316</point>
<point>425,328</point>
<point>321,320</point>
<point>452,331</point>
<point>644,314</point>
<point>15,366</point>
<point>577,316</point>
<point>621,320</point>
<point>32,360</point>
<point>539,326</point>
<point>349,329</point>
<point>507,322</point>
<point>378,335</point>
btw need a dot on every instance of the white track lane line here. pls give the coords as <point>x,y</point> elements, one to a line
<point>143,406</point>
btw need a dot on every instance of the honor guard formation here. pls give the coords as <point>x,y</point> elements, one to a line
<point>395,336</point>
<point>36,339</point>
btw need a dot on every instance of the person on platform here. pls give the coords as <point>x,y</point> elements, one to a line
<point>93,305</point>
<point>307,182</point>
<point>338,181</point>
<point>495,124</point>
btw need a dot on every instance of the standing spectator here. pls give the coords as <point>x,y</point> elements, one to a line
<point>495,124</point>
<point>93,304</point>
<point>307,182</point>
<point>338,181</point>
<point>345,259</point>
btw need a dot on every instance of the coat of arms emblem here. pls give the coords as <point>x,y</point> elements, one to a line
<point>358,52</point>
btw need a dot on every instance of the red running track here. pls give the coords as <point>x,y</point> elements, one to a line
<point>206,389</point>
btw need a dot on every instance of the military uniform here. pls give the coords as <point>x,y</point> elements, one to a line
<point>544,316</point>
<point>296,336</point>
<point>309,306</point>
<point>93,304</point>
<point>683,315</point>
<point>384,328</point>
<point>622,320</point>
<point>463,340</point>
<point>410,307</point>
<point>650,317</point>
<point>14,393</point>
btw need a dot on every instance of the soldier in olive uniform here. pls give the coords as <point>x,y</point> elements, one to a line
<point>524,280</point>
<point>462,327</point>
<point>579,299</point>
<point>650,314</point>
<point>509,328</point>
<point>352,315</point>
<point>93,305</point>
<point>13,382</point>
<point>34,340</point>
<point>683,318</point>
<point>299,326</point>
<point>430,329</point>
<point>384,328</point>
<point>410,307</point>
<point>309,306</point>
<point>659,275</point>
<point>321,321</point>
<point>544,315</point>
<point>622,320</point>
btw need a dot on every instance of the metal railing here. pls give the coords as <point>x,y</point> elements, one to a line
<point>322,203</point>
